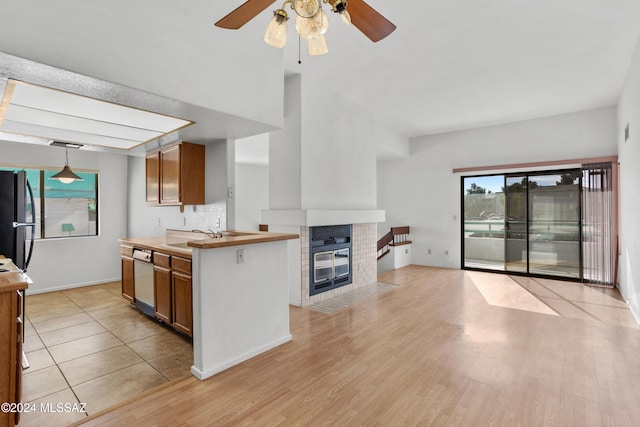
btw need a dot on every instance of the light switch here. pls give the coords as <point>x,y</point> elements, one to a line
<point>240,256</point>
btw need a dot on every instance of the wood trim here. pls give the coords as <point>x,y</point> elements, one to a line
<point>612,159</point>
<point>385,240</point>
<point>400,230</point>
<point>408,242</point>
<point>6,99</point>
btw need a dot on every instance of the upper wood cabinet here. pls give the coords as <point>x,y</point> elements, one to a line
<point>153,177</point>
<point>175,175</point>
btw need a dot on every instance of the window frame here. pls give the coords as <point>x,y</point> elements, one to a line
<point>40,212</point>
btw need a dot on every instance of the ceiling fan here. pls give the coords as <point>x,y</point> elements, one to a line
<point>311,21</point>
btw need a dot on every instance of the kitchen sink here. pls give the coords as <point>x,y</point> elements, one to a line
<point>177,245</point>
<point>183,245</point>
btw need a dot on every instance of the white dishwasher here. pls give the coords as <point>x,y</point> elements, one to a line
<point>143,280</point>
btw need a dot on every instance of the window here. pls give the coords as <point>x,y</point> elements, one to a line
<point>63,210</point>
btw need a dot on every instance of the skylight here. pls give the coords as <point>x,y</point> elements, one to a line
<point>33,110</point>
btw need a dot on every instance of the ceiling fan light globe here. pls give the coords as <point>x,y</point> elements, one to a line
<point>315,26</point>
<point>276,33</point>
<point>317,46</point>
<point>346,17</point>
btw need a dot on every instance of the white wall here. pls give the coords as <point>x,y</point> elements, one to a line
<point>338,155</point>
<point>285,151</point>
<point>252,195</point>
<point>629,155</point>
<point>150,221</point>
<point>423,192</point>
<point>70,262</point>
<point>325,157</point>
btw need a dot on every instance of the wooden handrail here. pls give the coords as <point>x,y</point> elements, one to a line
<point>389,239</point>
<point>400,230</point>
<point>385,240</point>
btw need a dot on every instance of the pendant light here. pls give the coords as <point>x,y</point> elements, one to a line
<point>66,175</point>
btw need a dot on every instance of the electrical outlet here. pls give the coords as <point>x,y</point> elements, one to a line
<point>429,251</point>
<point>184,220</point>
<point>446,252</point>
<point>406,251</point>
<point>158,222</point>
<point>218,222</point>
<point>240,256</point>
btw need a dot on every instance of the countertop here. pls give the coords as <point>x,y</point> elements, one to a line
<point>12,280</point>
<point>182,246</point>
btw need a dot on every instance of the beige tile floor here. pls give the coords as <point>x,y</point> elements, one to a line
<point>87,345</point>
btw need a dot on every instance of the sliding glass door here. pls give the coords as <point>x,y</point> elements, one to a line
<point>516,238</point>
<point>526,223</point>
<point>554,223</point>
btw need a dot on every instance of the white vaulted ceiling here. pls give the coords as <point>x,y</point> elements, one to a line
<point>449,65</point>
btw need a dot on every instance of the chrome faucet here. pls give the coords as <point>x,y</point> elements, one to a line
<point>210,233</point>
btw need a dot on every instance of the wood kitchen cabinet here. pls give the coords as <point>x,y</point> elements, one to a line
<point>126,257</point>
<point>175,175</point>
<point>152,167</point>
<point>162,287</point>
<point>11,344</point>
<point>182,295</point>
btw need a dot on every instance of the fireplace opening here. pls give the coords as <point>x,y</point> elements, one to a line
<point>330,258</point>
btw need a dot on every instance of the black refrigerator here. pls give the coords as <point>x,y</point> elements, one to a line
<point>17,213</point>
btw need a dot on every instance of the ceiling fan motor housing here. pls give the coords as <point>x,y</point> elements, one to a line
<point>339,6</point>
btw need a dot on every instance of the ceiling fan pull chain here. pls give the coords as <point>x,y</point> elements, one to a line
<point>299,60</point>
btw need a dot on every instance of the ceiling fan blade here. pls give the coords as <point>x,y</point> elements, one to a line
<point>369,21</point>
<point>243,14</point>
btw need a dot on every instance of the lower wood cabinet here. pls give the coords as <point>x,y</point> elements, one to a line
<point>172,291</point>
<point>162,294</point>
<point>182,303</point>
<point>10,351</point>
<point>128,290</point>
<point>182,295</point>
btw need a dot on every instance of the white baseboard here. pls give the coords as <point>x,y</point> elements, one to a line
<point>631,309</point>
<point>203,374</point>
<point>71,286</point>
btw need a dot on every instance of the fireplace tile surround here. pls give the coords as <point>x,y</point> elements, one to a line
<point>364,262</point>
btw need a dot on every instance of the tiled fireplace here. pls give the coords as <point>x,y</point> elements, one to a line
<point>363,262</point>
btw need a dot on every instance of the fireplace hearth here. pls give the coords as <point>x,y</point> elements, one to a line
<point>330,258</point>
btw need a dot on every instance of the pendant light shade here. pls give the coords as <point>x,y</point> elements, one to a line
<point>66,175</point>
<point>276,34</point>
<point>317,46</point>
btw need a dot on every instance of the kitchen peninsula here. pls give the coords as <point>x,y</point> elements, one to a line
<point>240,292</point>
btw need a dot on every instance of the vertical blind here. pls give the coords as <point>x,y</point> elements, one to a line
<point>599,214</point>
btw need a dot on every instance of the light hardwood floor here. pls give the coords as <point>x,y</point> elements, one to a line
<point>432,352</point>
